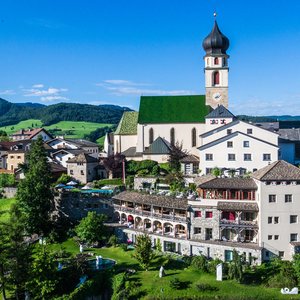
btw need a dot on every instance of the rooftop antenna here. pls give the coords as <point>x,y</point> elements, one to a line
<point>215,14</point>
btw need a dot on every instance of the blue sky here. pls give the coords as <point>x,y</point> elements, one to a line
<point>115,51</point>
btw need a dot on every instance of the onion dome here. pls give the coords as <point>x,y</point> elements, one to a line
<point>216,42</point>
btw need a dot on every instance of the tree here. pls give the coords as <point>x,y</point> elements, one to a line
<point>43,275</point>
<point>235,267</point>
<point>216,172</point>
<point>143,251</point>
<point>64,179</point>
<point>91,229</point>
<point>175,155</point>
<point>15,255</point>
<point>34,196</point>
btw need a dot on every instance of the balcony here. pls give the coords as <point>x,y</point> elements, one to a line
<point>238,223</point>
<point>151,214</point>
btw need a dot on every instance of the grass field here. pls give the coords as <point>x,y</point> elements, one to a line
<point>152,285</point>
<point>69,129</point>
<point>5,205</point>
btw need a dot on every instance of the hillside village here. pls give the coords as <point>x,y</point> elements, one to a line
<point>246,184</point>
<point>190,174</point>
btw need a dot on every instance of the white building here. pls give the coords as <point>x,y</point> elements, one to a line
<point>231,144</point>
<point>258,216</point>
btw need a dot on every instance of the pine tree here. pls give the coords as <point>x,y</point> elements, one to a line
<point>34,196</point>
<point>143,251</point>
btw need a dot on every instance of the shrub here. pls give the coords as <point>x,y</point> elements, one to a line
<point>123,246</point>
<point>175,283</point>
<point>211,268</point>
<point>200,262</point>
<point>113,241</point>
<point>206,287</point>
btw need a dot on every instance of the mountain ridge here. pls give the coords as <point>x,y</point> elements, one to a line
<point>12,113</point>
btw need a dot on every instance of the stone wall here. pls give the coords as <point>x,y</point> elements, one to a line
<point>209,249</point>
<point>138,182</point>
<point>76,206</point>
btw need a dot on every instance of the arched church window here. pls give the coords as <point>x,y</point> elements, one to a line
<point>172,136</point>
<point>216,61</point>
<point>194,137</point>
<point>151,136</point>
<point>216,78</point>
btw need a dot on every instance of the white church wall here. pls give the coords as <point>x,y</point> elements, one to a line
<point>183,133</point>
<point>220,154</point>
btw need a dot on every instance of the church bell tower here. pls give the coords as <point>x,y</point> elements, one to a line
<point>216,67</point>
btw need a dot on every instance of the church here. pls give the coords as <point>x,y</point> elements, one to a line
<point>210,134</point>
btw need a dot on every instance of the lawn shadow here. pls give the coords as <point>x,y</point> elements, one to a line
<point>171,274</point>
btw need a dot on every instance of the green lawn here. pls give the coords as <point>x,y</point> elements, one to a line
<point>69,129</point>
<point>30,123</point>
<point>5,205</point>
<point>152,285</point>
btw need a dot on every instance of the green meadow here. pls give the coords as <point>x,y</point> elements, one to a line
<point>69,129</point>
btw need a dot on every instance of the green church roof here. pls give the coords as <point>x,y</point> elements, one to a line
<point>128,123</point>
<point>173,109</point>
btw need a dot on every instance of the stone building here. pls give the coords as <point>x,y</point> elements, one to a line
<point>257,216</point>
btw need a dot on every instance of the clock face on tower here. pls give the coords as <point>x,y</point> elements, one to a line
<point>217,96</point>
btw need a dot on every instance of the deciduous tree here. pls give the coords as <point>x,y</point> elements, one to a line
<point>91,229</point>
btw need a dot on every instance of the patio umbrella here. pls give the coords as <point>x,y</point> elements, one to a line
<point>86,187</point>
<point>72,183</point>
<point>59,186</point>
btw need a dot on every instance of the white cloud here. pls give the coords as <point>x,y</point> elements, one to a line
<point>7,92</point>
<point>120,87</point>
<point>53,98</point>
<point>37,86</point>
<point>45,94</point>
<point>286,105</point>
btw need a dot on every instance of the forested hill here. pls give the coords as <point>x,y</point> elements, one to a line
<point>12,113</point>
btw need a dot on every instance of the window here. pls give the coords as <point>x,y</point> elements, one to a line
<point>276,220</point>
<point>276,237</point>
<point>281,253</point>
<point>272,198</point>
<point>208,214</point>
<point>71,172</point>
<point>267,253</point>
<point>246,144</point>
<point>228,255</point>
<point>194,142</point>
<point>294,237</point>
<point>18,157</point>
<point>11,157</point>
<point>172,136</point>
<point>197,230</point>
<point>151,136</point>
<point>293,219</point>
<point>266,156</point>
<point>197,214</point>
<point>216,78</point>
<point>229,131</point>
<point>208,170</point>
<point>231,156</point>
<point>229,144</point>
<point>208,156</point>
<point>208,233</point>
<point>270,219</point>
<point>270,237</point>
<point>249,131</point>
<point>81,172</point>
<point>216,61</point>
<point>288,198</point>
<point>247,157</point>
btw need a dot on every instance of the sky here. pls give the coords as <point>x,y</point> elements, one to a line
<point>112,52</point>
